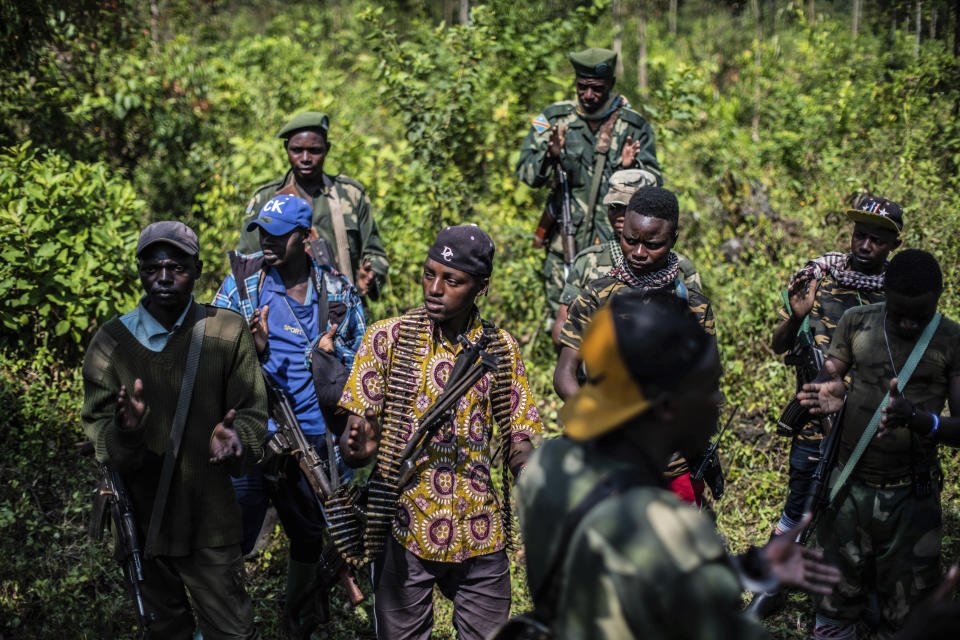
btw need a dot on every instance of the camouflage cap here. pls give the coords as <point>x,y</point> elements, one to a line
<point>594,63</point>
<point>625,183</point>
<point>306,120</point>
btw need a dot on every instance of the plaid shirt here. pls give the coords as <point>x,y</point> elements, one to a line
<point>349,334</point>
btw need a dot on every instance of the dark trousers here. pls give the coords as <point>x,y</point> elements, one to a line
<point>214,579</point>
<point>403,593</point>
<point>801,473</point>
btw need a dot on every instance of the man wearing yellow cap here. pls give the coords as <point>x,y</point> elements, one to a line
<point>611,552</point>
<point>341,209</point>
<point>590,137</point>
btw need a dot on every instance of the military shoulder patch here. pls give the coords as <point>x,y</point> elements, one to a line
<point>250,205</point>
<point>540,123</point>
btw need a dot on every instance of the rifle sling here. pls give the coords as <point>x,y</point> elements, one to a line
<point>339,230</point>
<point>908,368</point>
<point>600,160</point>
<point>176,432</point>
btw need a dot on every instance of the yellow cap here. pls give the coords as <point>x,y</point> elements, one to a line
<point>610,397</point>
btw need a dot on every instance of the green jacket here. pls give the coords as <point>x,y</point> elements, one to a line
<point>362,233</point>
<point>578,161</point>
<point>641,564</point>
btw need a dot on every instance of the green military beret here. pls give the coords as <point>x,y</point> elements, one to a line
<point>306,120</point>
<point>594,63</point>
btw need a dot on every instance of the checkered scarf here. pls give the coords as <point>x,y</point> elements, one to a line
<point>649,282</point>
<point>837,265</point>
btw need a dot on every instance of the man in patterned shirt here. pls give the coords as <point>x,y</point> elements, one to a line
<point>650,230</point>
<point>598,259</point>
<point>449,528</point>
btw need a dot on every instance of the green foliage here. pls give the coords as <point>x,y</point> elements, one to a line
<point>70,230</point>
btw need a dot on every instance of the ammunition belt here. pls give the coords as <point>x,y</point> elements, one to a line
<point>500,403</point>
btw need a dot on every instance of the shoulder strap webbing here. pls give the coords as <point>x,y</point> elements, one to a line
<point>600,159</point>
<point>339,229</point>
<point>176,431</point>
<point>902,379</point>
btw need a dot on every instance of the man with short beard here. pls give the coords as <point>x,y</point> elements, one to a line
<point>590,137</point>
<point>449,528</point>
<point>897,362</point>
<point>342,216</point>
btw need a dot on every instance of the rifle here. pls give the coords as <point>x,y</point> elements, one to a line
<point>817,500</point>
<point>557,210</point>
<point>807,357</point>
<point>472,363</point>
<point>289,440</point>
<point>112,495</point>
<point>709,465</point>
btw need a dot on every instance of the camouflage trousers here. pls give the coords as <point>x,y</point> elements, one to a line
<point>884,540</point>
<point>553,281</point>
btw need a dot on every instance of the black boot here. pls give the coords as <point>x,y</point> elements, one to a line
<point>766,604</point>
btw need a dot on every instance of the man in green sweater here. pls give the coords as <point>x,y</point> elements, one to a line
<point>132,373</point>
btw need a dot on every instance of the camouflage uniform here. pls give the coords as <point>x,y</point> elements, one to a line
<point>883,535</point>
<point>597,260</point>
<point>362,233</point>
<point>578,161</point>
<point>634,559</point>
<point>595,294</point>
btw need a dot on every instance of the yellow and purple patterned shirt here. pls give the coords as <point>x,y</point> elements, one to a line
<point>449,512</point>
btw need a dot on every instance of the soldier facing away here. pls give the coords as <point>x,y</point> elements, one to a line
<point>590,137</point>
<point>341,209</point>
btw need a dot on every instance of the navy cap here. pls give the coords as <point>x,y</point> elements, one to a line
<point>878,211</point>
<point>282,214</point>
<point>465,247</point>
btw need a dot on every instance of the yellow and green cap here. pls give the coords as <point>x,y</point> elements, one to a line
<point>307,120</point>
<point>594,63</point>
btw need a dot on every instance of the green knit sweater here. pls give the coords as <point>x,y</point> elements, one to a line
<point>201,509</point>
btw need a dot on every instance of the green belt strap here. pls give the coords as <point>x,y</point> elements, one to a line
<point>905,373</point>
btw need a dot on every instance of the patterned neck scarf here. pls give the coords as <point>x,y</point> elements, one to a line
<point>616,253</point>
<point>649,282</point>
<point>839,266</point>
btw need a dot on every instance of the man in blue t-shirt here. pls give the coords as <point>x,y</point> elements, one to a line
<point>285,296</point>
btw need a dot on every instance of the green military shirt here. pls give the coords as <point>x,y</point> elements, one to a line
<point>859,341</point>
<point>362,233</point>
<point>598,259</point>
<point>578,161</point>
<point>830,302</point>
<point>641,564</point>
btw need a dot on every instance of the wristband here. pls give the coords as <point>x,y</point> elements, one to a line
<point>936,425</point>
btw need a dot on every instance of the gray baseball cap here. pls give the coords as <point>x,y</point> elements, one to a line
<point>172,232</point>
<point>625,183</point>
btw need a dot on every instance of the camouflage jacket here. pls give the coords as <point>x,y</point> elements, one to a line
<point>638,564</point>
<point>597,260</point>
<point>578,161</point>
<point>362,233</point>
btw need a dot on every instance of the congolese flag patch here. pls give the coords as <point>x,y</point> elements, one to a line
<point>540,123</point>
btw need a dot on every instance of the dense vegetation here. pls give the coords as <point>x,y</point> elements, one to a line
<point>769,117</point>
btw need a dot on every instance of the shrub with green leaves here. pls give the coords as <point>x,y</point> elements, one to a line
<point>69,230</point>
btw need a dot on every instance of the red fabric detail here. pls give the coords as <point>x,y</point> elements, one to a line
<point>686,490</point>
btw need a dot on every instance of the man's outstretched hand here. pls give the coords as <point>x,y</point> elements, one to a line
<point>824,398</point>
<point>795,565</point>
<point>225,442</point>
<point>130,408</point>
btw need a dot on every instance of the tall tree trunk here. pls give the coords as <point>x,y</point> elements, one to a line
<point>916,42</point>
<point>771,17</point>
<point>464,11</point>
<point>933,22</point>
<point>447,13</point>
<point>642,48</point>
<point>856,17</point>
<point>758,17</point>
<point>673,17</point>
<point>618,34</point>
<point>956,32</point>
<point>811,12</point>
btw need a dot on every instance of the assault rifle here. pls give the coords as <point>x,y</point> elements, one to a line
<point>472,363</point>
<point>807,357</point>
<point>289,440</point>
<point>113,500</point>
<point>709,468</point>
<point>817,499</point>
<point>557,210</point>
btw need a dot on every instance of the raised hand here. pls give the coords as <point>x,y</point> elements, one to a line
<point>824,398</point>
<point>326,340</point>
<point>629,152</point>
<point>795,565</point>
<point>259,329</point>
<point>130,408</point>
<point>802,297</point>
<point>558,137</point>
<point>364,278</point>
<point>361,437</point>
<point>225,442</point>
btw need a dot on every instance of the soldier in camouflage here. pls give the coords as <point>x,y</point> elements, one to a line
<point>649,232</point>
<point>341,208</point>
<point>598,259</point>
<point>591,137</point>
<point>610,552</point>
<point>883,528</point>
